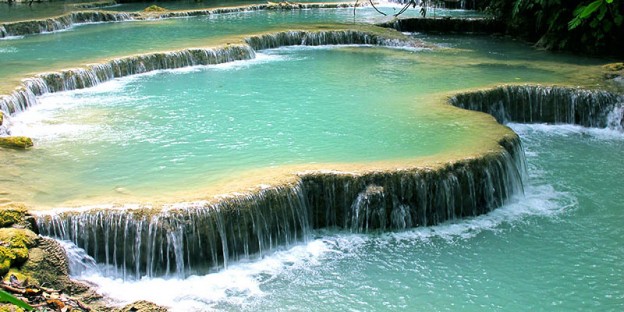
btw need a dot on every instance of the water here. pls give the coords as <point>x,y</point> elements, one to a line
<point>90,43</point>
<point>40,10</point>
<point>22,11</point>
<point>557,248</point>
<point>172,132</point>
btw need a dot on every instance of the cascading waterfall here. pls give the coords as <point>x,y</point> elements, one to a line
<point>62,22</point>
<point>555,105</point>
<point>393,200</point>
<point>206,236</point>
<point>180,242</point>
<point>71,79</point>
<point>250,8</point>
<point>92,75</point>
<point>315,38</point>
<point>84,17</point>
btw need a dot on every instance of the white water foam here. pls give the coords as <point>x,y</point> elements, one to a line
<point>261,58</point>
<point>603,134</point>
<point>12,37</point>
<point>233,286</point>
<point>44,123</point>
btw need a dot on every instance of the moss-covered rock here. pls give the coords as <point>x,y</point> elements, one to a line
<point>154,8</point>
<point>613,71</point>
<point>47,263</point>
<point>10,308</point>
<point>19,238</point>
<point>14,244</point>
<point>614,66</point>
<point>1,117</point>
<point>12,214</point>
<point>17,142</point>
<point>142,306</point>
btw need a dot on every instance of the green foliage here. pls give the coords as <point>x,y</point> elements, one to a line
<point>6,297</point>
<point>588,26</point>
<point>602,8</point>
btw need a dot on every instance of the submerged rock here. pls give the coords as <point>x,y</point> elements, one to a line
<point>17,142</point>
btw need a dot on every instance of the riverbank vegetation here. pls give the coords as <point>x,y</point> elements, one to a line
<point>583,26</point>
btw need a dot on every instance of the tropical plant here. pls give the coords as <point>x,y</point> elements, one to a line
<point>7,297</point>
<point>589,26</point>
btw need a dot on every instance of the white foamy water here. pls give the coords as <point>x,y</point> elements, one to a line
<point>603,134</point>
<point>233,286</point>
<point>12,37</point>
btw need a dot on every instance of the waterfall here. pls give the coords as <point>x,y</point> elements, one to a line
<point>555,105</point>
<point>68,20</point>
<point>134,243</point>
<point>78,78</point>
<point>174,241</point>
<point>71,79</point>
<point>62,22</point>
<point>184,241</point>
<point>315,38</point>
<point>416,197</point>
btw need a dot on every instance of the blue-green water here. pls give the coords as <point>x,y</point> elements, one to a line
<point>45,9</point>
<point>90,43</point>
<point>179,131</point>
<point>558,248</point>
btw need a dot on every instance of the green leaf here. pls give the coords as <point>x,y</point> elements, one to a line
<point>609,1</point>
<point>591,8</point>
<point>574,23</point>
<point>6,297</point>
<point>578,10</point>
<point>618,20</point>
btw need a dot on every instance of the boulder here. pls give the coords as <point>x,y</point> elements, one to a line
<point>142,306</point>
<point>614,71</point>
<point>17,142</point>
